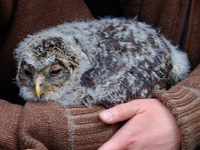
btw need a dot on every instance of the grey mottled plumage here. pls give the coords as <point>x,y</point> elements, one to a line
<point>107,61</point>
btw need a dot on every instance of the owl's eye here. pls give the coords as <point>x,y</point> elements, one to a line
<point>28,73</point>
<point>27,70</point>
<point>55,72</point>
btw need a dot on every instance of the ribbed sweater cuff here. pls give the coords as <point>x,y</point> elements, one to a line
<point>86,131</point>
<point>184,103</point>
<point>50,126</point>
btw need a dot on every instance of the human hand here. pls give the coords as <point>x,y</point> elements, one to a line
<point>150,126</point>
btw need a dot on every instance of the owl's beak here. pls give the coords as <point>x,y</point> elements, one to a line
<point>37,90</point>
<point>38,85</point>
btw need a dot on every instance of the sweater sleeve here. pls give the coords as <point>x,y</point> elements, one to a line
<point>49,126</point>
<point>184,102</point>
<point>9,120</point>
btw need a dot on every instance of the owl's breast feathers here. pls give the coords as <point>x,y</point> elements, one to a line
<point>111,60</point>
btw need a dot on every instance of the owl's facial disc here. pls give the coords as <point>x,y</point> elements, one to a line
<point>28,71</point>
<point>46,81</point>
<point>41,86</point>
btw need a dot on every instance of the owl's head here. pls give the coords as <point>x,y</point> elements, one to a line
<point>44,67</point>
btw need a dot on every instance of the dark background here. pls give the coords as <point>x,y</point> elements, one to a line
<point>103,8</point>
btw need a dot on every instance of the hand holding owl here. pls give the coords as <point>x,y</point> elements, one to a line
<point>150,125</point>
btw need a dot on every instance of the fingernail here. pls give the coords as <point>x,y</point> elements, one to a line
<point>106,115</point>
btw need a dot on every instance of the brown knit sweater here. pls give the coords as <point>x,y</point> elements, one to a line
<point>48,125</point>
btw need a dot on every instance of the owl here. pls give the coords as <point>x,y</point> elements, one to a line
<point>106,61</point>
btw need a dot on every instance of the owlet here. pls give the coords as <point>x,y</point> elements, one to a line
<point>107,62</point>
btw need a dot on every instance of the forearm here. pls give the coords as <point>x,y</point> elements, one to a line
<point>48,125</point>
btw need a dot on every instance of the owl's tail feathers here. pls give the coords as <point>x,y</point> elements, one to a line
<point>180,66</point>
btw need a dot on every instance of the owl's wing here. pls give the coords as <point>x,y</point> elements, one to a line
<point>123,71</point>
<point>107,64</point>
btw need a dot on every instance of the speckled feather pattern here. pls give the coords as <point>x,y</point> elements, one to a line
<point>111,61</point>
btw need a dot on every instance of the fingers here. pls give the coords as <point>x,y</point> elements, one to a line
<point>149,126</point>
<point>116,114</point>
<point>121,139</point>
<point>120,112</point>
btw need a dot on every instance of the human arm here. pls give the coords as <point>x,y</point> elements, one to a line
<point>49,126</point>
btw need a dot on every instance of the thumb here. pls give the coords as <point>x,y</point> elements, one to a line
<point>120,112</point>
